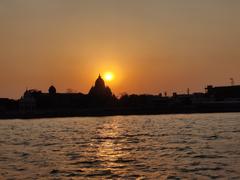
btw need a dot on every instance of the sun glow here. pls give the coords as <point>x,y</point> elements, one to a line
<point>108,76</point>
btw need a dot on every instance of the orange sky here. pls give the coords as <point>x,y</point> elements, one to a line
<point>151,46</point>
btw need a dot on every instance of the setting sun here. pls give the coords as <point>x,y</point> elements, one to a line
<point>108,76</point>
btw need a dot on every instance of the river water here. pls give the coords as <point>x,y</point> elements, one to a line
<point>199,146</point>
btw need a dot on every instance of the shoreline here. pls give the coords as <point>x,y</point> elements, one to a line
<point>103,113</point>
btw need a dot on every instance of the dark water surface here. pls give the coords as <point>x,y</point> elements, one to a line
<point>196,146</point>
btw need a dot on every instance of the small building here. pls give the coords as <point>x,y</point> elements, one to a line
<point>27,101</point>
<point>223,92</point>
<point>8,105</point>
<point>52,90</point>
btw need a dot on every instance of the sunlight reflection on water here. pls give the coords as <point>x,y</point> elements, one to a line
<point>197,146</point>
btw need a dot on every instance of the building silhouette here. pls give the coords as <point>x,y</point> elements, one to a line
<point>223,92</point>
<point>52,90</point>
<point>28,100</point>
<point>101,101</point>
<point>100,94</point>
<point>100,90</point>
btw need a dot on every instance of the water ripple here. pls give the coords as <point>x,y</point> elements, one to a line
<point>122,147</point>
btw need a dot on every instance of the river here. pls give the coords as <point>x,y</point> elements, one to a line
<point>197,146</point>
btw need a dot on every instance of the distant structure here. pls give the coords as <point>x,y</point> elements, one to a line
<point>52,90</point>
<point>8,104</point>
<point>100,89</point>
<point>101,101</point>
<point>101,95</point>
<point>223,92</point>
<point>28,101</point>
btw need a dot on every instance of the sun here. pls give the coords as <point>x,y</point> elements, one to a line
<point>108,76</point>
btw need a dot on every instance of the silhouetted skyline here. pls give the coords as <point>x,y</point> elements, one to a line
<point>101,101</point>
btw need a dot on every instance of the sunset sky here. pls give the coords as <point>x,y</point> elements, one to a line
<point>150,46</point>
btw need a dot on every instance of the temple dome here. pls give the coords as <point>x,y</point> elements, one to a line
<point>52,90</point>
<point>100,90</point>
<point>99,83</point>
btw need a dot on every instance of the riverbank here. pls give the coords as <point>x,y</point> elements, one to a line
<point>95,112</point>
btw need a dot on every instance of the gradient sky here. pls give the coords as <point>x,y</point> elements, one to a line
<point>151,46</point>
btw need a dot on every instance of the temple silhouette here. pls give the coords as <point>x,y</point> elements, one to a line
<point>100,94</point>
<point>100,90</point>
<point>100,101</point>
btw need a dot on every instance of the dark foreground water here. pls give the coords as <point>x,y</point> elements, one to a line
<point>196,146</point>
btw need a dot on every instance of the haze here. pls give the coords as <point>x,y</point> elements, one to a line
<point>151,46</point>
